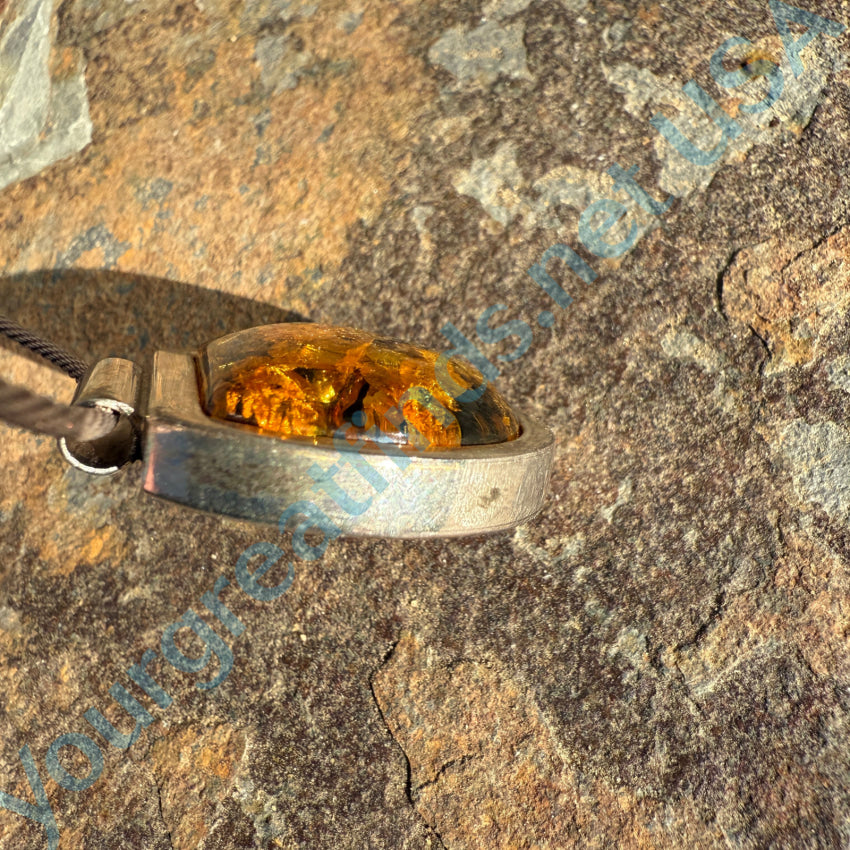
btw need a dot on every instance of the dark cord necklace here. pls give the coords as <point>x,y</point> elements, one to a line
<point>19,406</point>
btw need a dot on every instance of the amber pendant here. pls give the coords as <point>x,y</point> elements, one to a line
<point>372,435</point>
<point>308,381</point>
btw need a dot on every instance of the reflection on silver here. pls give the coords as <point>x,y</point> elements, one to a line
<point>230,469</point>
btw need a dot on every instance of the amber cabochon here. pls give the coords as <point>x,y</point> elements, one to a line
<point>303,380</point>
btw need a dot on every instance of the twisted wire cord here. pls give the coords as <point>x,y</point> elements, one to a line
<point>69,364</point>
<point>19,406</point>
<point>36,413</point>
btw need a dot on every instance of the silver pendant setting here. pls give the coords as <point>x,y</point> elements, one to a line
<point>348,488</point>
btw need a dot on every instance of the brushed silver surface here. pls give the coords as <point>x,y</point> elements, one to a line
<point>112,385</point>
<point>230,469</point>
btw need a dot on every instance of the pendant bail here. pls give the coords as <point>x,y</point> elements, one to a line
<point>112,384</point>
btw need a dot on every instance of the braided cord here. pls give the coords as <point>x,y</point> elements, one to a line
<point>19,406</point>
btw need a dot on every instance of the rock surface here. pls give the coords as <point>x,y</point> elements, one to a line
<point>661,658</point>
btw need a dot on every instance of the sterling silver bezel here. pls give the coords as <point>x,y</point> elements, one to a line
<point>229,469</point>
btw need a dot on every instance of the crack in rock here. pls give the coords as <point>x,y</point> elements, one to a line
<point>161,812</point>
<point>409,791</point>
<point>477,749</point>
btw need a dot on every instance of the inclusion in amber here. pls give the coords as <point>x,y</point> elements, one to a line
<point>310,381</point>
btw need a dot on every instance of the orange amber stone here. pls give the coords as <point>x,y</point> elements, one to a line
<point>306,380</point>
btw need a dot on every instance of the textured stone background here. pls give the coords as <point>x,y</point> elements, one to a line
<point>661,658</point>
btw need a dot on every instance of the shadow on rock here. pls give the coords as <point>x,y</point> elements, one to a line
<point>104,313</point>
